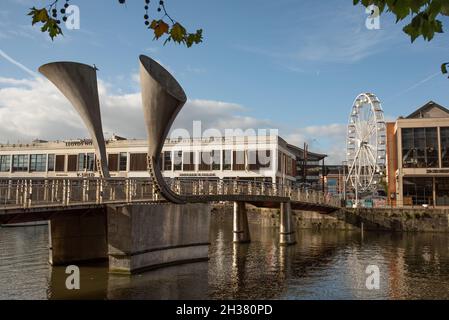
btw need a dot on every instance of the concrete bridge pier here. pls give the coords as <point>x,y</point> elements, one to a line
<point>78,236</point>
<point>148,236</point>
<point>287,229</point>
<point>240,225</point>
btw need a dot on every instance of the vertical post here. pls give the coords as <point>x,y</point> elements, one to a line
<point>84,191</point>
<point>287,230</point>
<point>344,182</point>
<point>323,169</point>
<point>68,192</point>
<point>361,229</point>
<point>127,190</point>
<point>30,194</point>
<point>25,194</point>
<point>240,225</point>
<point>100,194</point>
<point>434,192</point>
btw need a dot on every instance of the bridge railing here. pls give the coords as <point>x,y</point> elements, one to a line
<point>28,193</point>
<point>229,187</point>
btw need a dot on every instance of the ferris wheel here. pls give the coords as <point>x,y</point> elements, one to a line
<point>365,143</point>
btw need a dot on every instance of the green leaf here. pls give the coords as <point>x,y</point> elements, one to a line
<point>444,67</point>
<point>159,27</point>
<point>39,15</point>
<point>178,33</point>
<point>51,26</point>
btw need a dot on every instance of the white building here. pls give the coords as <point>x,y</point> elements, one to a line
<point>267,158</point>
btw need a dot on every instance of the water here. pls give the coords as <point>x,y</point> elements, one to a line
<point>323,265</point>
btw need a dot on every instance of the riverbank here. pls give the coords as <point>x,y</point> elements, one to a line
<point>382,219</point>
<point>302,219</point>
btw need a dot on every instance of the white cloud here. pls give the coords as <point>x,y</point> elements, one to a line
<point>328,139</point>
<point>34,108</point>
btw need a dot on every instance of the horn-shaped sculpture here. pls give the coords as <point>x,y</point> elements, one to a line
<point>78,83</point>
<point>162,98</point>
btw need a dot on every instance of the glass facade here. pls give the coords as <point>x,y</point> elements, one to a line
<point>5,163</point>
<point>188,161</point>
<point>442,191</point>
<point>417,191</point>
<point>227,159</point>
<point>420,148</point>
<point>444,136</point>
<point>86,162</point>
<point>82,162</point>
<point>238,161</point>
<point>38,163</point>
<point>123,161</point>
<point>205,161</point>
<point>51,162</point>
<point>177,160</point>
<point>20,163</point>
<point>216,161</point>
<point>167,161</point>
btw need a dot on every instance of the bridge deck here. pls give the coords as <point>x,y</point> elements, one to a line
<point>40,195</point>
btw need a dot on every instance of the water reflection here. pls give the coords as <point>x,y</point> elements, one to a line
<point>323,265</point>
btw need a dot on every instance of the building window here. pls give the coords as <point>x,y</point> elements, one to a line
<point>20,163</point>
<point>227,160</point>
<point>38,162</point>
<point>238,161</point>
<point>442,191</point>
<point>138,162</point>
<point>81,162</point>
<point>253,163</point>
<point>51,162</point>
<point>90,166</point>
<point>5,163</point>
<point>417,191</point>
<point>264,158</point>
<point>72,160</point>
<point>188,163</point>
<point>60,163</point>
<point>177,160</point>
<point>280,159</point>
<point>444,134</point>
<point>205,161</point>
<point>86,162</point>
<point>113,162</point>
<point>216,161</point>
<point>123,161</point>
<point>419,148</point>
<point>167,161</point>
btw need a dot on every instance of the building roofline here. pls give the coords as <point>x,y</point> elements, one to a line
<point>313,154</point>
<point>428,104</point>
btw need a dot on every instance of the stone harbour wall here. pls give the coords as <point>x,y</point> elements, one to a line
<point>378,219</point>
<point>397,219</point>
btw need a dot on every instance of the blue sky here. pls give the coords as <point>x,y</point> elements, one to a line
<point>289,64</point>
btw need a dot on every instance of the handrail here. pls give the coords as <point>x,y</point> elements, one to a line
<point>26,193</point>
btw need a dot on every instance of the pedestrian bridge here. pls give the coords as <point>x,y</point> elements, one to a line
<point>34,195</point>
<point>139,223</point>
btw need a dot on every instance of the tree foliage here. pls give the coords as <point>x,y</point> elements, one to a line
<point>424,14</point>
<point>165,26</point>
